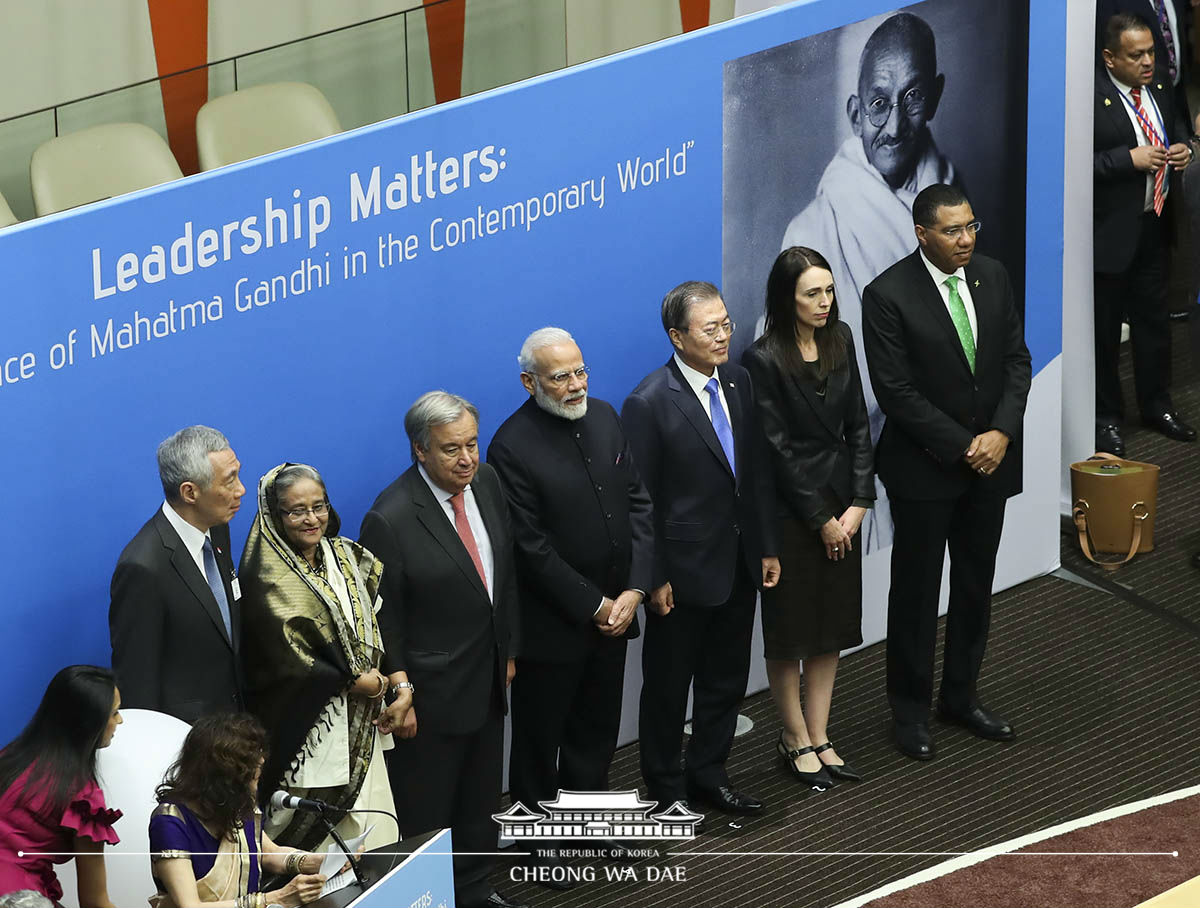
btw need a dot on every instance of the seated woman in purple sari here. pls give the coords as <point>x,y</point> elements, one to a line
<point>206,837</point>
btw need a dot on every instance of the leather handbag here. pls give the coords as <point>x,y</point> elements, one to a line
<point>1114,505</point>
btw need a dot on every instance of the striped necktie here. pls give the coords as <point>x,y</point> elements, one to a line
<point>1152,136</point>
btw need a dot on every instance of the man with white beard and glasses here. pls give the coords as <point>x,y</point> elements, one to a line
<point>584,532</point>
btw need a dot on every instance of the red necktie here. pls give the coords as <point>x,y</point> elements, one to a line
<point>463,527</point>
<point>1154,139</point>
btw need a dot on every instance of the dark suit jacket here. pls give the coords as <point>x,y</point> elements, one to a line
<point>437,621</point>
<point>169,646</point>
<point>1119,191</point>
<point>703,516</point>
<point>1183,15</point>
<point>933,404</point>
<point>582,521</point>
<point>820,446</point>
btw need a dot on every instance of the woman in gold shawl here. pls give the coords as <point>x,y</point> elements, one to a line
<point>312,652</point>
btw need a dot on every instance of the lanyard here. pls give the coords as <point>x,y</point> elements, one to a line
<point>1162,129</point>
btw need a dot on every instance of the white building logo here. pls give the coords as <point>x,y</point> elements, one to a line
<point>598,815</point>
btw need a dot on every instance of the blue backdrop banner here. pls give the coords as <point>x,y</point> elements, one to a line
<point>301,302</point>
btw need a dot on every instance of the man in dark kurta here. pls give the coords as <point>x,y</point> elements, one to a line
<point>583,530</point>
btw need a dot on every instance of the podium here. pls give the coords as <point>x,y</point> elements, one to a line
<point>418,871</point>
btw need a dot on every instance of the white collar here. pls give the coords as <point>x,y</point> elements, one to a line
<point>939,276</point>
<point>439,493</point>
<point>192,537</point>
<point>696,380</point>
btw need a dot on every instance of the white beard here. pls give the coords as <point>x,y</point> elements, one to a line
<point>552,406</point>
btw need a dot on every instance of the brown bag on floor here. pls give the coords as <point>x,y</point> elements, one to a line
<point>1114,504</point>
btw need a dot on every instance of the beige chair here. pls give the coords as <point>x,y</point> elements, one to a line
<point>7,218</point>
<point>260,120</point>
<point>98,163</point>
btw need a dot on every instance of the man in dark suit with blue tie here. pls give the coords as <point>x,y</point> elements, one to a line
<point>697,444</point>
<point>174,617</point>
<point>946,349</point>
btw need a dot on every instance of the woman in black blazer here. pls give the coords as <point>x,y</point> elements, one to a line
<point>810,402</point>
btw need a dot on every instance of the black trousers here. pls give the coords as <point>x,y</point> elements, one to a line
<point>1138,294</point>
<point>565,720</point>
<point>971,524</point>
<point>707,649</point>
<point>443,780</point>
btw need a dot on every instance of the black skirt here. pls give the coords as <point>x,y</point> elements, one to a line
<point>816,607</point>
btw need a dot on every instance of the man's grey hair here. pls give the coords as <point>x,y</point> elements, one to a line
<point>677,304</point>
<point>434,408</point>
<point>25,898</point>
<point>542,337</point>
<point>184,458</point>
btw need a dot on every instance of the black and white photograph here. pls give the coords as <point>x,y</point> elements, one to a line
<point>828,140</point>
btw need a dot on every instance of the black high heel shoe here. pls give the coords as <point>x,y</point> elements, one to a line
<point>843,772</point>
<point>818,781</point>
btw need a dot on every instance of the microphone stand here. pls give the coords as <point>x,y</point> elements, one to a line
<point>341,843</point>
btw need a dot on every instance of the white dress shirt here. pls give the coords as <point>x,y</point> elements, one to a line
<point>964,292</point>
<point>1154,115</point>
<point>696,381</point>
<point>474,519</point>
<point>193,539</point>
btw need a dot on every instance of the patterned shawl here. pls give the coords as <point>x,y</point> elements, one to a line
<point>301,654</point>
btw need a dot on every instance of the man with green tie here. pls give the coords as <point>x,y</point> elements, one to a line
<point>946,350</point>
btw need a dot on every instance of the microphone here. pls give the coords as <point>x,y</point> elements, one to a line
<point>281,800</point>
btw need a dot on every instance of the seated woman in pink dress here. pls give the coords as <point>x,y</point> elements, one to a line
<point>50,803</point>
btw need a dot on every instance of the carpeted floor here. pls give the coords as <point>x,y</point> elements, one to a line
<point>1112,864</point>
<point>1102,690</point>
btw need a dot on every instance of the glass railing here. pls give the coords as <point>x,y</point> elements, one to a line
<point>373,69</point>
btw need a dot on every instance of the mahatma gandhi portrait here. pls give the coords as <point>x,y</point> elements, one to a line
<point>829,139</point>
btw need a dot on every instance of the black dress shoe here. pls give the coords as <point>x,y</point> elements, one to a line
<point>843,771</point>
<point>980,722</point>
<point>551,869</point>
<point>1108,440</point>
<point>817,781</point>
<point>496,900</point>
<point>913,740</point>
<point>1170,425</point>
<point>726,799</point>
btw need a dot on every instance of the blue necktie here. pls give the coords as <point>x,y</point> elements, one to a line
<point>213,576</point>
<point>720,423</point>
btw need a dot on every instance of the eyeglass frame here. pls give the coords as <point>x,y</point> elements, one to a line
<point>558,379</point>
<point>295,515</point>
<point>953,233</point>
<point>922,98</point>
<point>728,327</point>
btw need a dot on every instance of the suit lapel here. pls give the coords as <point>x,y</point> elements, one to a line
<point>185,566</point>
<point>931,297</point>
<point>689,405</point>
<point>1115,108</point>
<point>434,519</point>
<point>823,408</point>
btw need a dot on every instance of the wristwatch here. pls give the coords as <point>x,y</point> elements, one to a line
<point>393,692</point>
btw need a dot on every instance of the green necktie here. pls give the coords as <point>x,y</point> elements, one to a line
<point>962,324</point>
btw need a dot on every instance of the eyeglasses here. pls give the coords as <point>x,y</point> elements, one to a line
<point>712,332</point>
<point>913,105</point>
<point>953,233</point>
<point>561,378</point>
<point>318,510</point>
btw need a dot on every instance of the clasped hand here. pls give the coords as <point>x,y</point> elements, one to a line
<point>987,451</point>
<point>1150,158</point>
<point>615,615</point>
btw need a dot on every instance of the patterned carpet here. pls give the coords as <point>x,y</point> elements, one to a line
<point>1100,684</point>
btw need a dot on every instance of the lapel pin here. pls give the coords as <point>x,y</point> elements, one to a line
<point>977,283</point>
<point>1159,86</point>
<point>732,385</point>
<point>1107,103</point>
